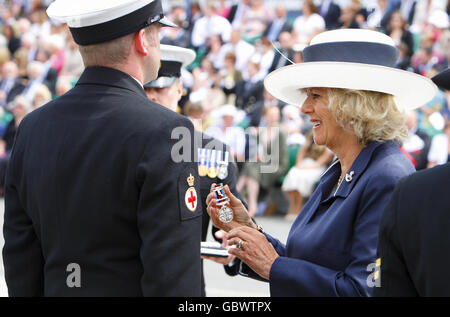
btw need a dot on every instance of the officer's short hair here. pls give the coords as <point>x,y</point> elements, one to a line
<point>109,53</point>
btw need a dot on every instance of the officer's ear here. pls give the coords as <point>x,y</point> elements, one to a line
<point>141,42</point>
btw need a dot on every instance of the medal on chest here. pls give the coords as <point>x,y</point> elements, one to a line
<point>202,165</point>
<point>223,165</point>
<point>212,164</point>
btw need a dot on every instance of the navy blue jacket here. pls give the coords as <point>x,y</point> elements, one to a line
<point>414,238</point>
<point>334,239</point>
<point>92,181</point>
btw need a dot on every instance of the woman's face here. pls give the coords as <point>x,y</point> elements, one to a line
<point>326,130</point>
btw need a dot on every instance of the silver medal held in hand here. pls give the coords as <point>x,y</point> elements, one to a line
<point>225,213</point>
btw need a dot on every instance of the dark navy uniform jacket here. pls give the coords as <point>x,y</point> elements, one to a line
<point>414,239</point>
<point>333,242</point>
<point>91,181</point>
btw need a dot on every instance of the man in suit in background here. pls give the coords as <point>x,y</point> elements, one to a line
<point>278,25</point>
<point>96,204</point>
<point>11,86</point>
<point>286,43</point>
<point>414,233</point>
<point>331,13</point>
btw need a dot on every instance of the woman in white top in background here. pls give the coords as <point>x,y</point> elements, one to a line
<point>309,24</point>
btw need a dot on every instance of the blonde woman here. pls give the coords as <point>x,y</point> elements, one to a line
<point>355,100</point>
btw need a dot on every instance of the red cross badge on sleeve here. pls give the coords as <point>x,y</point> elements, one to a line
<point>191,199</point>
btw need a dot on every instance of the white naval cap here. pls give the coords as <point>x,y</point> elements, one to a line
<point>173,58</point>
<point>97,21</point>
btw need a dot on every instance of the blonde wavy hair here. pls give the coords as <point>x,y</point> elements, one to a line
<point>372,116</point>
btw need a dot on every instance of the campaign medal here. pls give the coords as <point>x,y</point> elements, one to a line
<point>223,166</point>
<point>202,168</point>
<point>190,198</point>
<point>225,213</point>
<point>212,165</point>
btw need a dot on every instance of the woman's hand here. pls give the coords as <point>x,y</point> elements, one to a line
<point>256,251</point>
<point>241,216</point>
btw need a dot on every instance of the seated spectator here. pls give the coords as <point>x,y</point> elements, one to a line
<point>285,48</point>
<point>49,74</point>
<point>440,147</point>
<point>28,44</point>
<point>408,9</point>
<point>194,111</point>
<point>21,59</point>
<point>240,48</point>
<point>404,60</point>
<point>11,85</point>
<point>361,13</point>
<point>279,24</point>
<point>203,80</point>
<point>55,45</point>
<point>250,90</point>
<point>430,116</point>
<point>379,19</point>
<point>208,25</point>
<point>214,46</point>
<point>20,107</point>
<point>11,33</point>
<point>426,59</point>
<point>418,142</point>
<point>348,18</point>
<point>330,12</point>
<point>254,113</point>
<point>74,65</point>
<point>270,152</point>
<point>397,29</point>
<point>226,131</point>
<point>41,97</point>
<point>255,20</point>
<point>180,36</point>
<point>291,123</point>
<point>35,71</point>
<point>439,28</point>
<point>63,85</point>
<point>237,12</point>
<point>214,95</point>
<point>301,179</point>
<point>230,75</point>
<point>266,55</point>
<point>422,12</point>
<point>309,24</point>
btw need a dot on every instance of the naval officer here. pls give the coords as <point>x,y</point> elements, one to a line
<point>95,204</point>
<point>414,232</point>
<point>214,164</point>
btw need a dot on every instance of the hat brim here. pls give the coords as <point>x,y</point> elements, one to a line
<point>161,82</point>
<point>410,90</point>
<point>442,79</point>
<point>166,22</point>
<point>178,54</point>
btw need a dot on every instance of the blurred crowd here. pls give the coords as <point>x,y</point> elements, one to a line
<point>237,44</point>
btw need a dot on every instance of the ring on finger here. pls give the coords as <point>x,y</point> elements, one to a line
<point>240,245</point>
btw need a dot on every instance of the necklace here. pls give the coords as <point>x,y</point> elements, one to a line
<point>341,178</point>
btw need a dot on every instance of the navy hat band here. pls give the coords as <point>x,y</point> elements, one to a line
<point>352,52</point>
<point>127,24</point>
<point>170,69</point>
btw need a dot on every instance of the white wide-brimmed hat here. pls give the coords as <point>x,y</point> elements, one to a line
<point>173,59</point>
<point>351,59</point>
